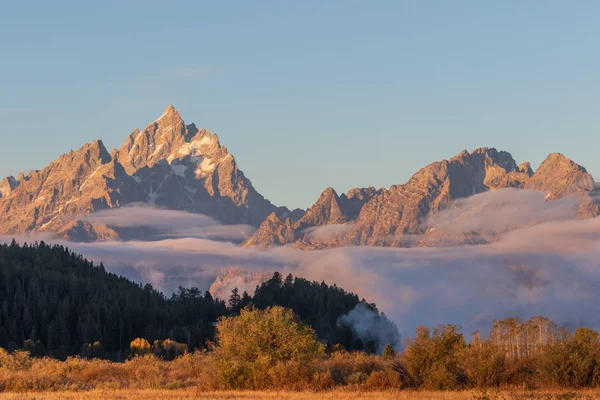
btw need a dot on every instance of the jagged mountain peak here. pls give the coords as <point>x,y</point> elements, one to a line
<point>462,155</point>
<point>7,185</point>
<point>169,139</point>
<point>272,218</point>
<point>159,140</point>
<point>360,192</point>
<point>353,201</point>
<point>273,231</point>
<point>91,154</point>
<point>169,117</point>
<point>176,166</point>
<point>95,148</point>
<point>486,156</point>
<point>483,169</point>
<point>559,175</point>
<point>168,164</point>
<point>525,167</point>
<point>385,217</point>
<point>329,193</point>
<point>10,180</point>
<point>554,160</point>
<point>327,210</point>
<point>170,112</point>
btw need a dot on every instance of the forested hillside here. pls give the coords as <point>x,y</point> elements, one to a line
<point>321,306</point>
<point>56,297</point>
<point>54,302</point>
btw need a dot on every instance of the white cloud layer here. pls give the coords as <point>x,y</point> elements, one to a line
<point>327,232</point>
<point>171,223</point>
<point>501,211</point>
<point>549,268</point>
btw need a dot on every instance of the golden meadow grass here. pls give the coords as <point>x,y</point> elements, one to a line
<point>191,393</point>
<point>439,362</point>
<point>190,377</point>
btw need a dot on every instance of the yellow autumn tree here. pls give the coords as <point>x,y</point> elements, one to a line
<point>250,345</point>
<point>139,346</point>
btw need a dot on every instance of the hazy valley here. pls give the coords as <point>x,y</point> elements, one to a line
<point>471,239</point>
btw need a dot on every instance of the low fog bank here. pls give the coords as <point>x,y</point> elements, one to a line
<point>548,266</point>
<point>501,211</point>
<point>369,326</point>
<point>167,224</point>
<point>327,232</point>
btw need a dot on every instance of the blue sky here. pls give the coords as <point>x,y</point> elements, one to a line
<point>305,94</point>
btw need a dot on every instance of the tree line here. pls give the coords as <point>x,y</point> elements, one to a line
<point>55,302</point>
<point>272,349</point>
<point>533,353</point>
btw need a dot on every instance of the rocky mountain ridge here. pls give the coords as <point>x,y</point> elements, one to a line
<point>168,165</point>
<point>176,166</point>
<point>390,217</point>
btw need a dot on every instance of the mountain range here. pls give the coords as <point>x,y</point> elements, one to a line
<point>175,166</point>
<point>168,165</point>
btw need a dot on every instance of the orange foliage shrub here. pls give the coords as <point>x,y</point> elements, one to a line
<point>139,346</point>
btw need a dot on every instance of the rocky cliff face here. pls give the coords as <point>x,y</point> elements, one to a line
<point>188,169</point>
<point>327,210</point>
<point>272,232</point>
<point>330,209</point>
<point>391,217</point>
<point>7,185</point>
<point>558,177</point>
<point>176,166</point>
<point>169,164</point>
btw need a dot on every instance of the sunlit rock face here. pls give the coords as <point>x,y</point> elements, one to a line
<point>168,165</point>
<point>175,166</point>
<point>397,216</point>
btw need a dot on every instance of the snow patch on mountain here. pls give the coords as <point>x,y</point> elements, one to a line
<point>88,178</point>
<point>206,167</point>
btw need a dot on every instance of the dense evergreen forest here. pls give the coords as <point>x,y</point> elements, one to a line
<point>55,302</point>
<point>321,306</point>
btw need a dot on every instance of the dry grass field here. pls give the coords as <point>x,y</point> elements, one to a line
<point>189,394</point>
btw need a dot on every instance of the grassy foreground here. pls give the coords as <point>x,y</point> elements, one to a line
<point>190,393</point>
